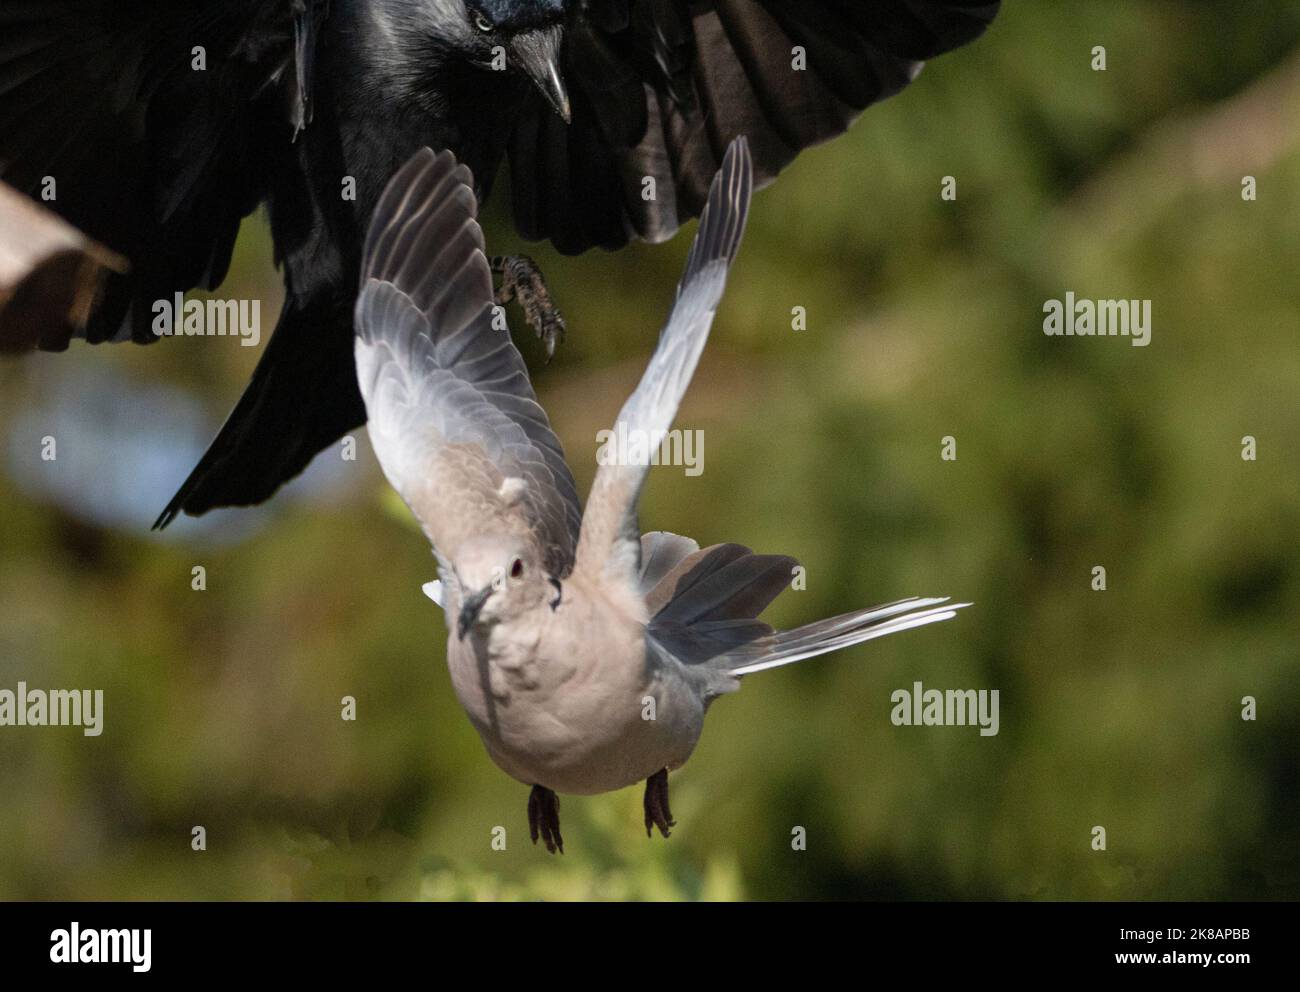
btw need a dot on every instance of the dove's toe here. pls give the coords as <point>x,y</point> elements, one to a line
<point>657,813</point>
<point>544,818</point>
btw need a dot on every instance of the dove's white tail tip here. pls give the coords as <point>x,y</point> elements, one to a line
<point>824,636</point>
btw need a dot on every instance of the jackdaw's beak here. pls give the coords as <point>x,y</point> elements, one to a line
<point>469,610</point>
<point>538,55</point>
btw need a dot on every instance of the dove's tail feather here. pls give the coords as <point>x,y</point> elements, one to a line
<point>788,646</point>
<point>661,551</point>
<point>704,613</point>
<point>718,583</point>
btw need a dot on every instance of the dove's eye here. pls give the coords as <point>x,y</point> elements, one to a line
<point>516,568</point>
<point>482,23</point>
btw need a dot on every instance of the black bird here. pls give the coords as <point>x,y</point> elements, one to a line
<point>161,125</point>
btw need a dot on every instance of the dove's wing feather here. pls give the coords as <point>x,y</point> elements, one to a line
<point>610,543</point>
<point>453,418</point>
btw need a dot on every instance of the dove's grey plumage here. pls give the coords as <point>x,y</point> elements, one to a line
<point>457,427</point>
<point>584,653</point>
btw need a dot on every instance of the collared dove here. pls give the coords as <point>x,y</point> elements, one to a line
<point>584,653</point>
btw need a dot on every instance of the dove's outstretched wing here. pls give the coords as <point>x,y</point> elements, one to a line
<point>453,418</point>
<point>610,542</point>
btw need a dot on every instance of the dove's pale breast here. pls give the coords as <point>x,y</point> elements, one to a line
<point>568,699</point>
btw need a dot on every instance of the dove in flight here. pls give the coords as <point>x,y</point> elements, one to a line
<point>585,653</point>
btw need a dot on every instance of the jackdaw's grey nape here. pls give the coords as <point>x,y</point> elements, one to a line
<point>161,125</point>
<point>584,652</point>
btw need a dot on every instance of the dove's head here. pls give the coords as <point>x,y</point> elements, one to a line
<point>499,576</point>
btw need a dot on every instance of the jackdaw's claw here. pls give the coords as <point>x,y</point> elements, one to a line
<point>521,279</point>
<point>657,813</point>
<point>544,818</point>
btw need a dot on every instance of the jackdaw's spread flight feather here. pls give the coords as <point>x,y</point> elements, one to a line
<point>584,667</point>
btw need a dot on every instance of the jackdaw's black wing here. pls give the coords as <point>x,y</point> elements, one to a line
<point>660,88</point>
<point>151,126</point>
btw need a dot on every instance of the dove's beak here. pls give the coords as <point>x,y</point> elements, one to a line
<point>470,607</point>
<point>537,53</point>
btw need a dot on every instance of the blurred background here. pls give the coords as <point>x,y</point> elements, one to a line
<point>1119,708</point>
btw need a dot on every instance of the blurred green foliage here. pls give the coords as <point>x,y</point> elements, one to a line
<point>1119,708</point>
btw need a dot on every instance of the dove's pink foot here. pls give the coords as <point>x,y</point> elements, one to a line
<point>657,813</point>
<point>544,818</point>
